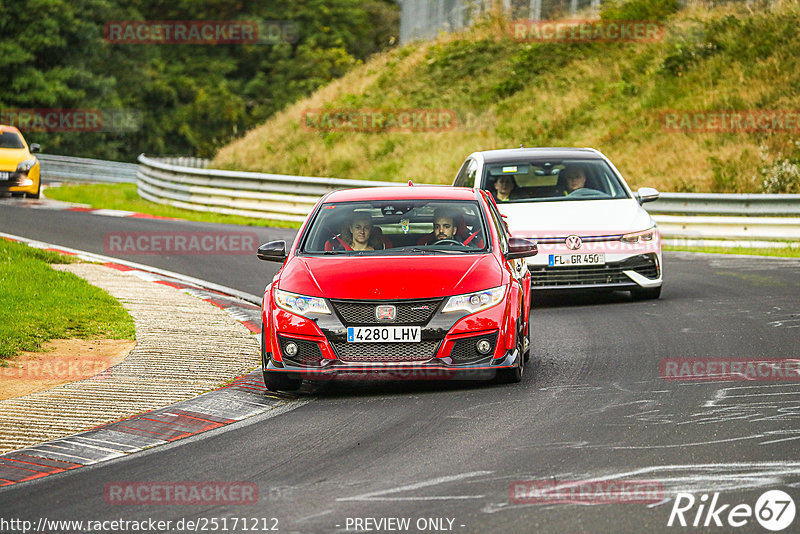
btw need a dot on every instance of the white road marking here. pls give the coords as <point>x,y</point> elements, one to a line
<point>378,495</point>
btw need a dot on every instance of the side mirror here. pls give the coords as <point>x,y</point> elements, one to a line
<point>35,147</point>
<point>647,194</point>
<point>519,247</point>
<point>272,251</point>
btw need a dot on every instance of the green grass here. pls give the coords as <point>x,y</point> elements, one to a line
<point>124,197</point>
<point>777,252</point>
<point>38,304</point>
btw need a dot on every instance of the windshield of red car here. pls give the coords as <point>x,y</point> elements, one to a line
<point>552,180</point>
<point>406,227</point>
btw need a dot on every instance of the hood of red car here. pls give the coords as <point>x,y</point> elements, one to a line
<point>379,277</point>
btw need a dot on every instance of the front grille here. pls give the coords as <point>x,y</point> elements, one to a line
<point>386,352</point>
<point>464,350</point>
<point>308,352</point>
<point>409,312</point>
<point>610,273</point>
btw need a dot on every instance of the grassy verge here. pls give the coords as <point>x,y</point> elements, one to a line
<point>38,304</point>
<point>777,252</point>
<point>124,197</point>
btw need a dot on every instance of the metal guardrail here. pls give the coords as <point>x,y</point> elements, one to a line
<point>681,216</point>
<point>251,194</point>
<point>751,205</point>
<point>68,168</point>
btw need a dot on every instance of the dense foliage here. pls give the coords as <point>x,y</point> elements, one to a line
<point>186,99</point>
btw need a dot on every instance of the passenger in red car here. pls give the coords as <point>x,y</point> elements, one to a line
<point>360,234</point>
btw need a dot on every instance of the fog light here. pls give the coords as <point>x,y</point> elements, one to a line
<point>483,346</point>
<point>290,349</point>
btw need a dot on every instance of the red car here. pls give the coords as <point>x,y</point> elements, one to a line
<point>418,281</point>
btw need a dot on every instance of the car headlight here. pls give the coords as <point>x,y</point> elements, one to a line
<point>473,302</point>
<point>300,304</point>
<point>640,237</point>
<point>26,165</point>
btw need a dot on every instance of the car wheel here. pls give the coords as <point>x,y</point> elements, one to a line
<point>526,340</point>
<point>513,375</point>
<point>643,293</point>
<point>275,381</point>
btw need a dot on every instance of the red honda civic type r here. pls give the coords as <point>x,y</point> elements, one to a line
<point>419,281</point>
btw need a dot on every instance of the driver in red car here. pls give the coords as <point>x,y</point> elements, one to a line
<point>444,224</point>
<point>448,225</point>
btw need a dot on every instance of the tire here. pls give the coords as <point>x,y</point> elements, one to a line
<point>645,293</point>
<point>277,381</point>
<point>514,375</point>
<point>527,351</point>
<point>511,376</point>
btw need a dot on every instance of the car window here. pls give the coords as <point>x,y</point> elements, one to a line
<point>466,176</point>
<point>500,226</point>
<point>552,180</point>
<point>397,226</point>
<point>11,140</point>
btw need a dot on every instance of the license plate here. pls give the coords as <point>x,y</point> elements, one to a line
<point>384,334</point>
<point>5,175</point>
<point>560,260</point>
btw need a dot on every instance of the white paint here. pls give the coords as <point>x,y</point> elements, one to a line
<point>380,495</point>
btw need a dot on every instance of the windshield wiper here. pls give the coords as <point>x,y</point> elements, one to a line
<point>428,250</point>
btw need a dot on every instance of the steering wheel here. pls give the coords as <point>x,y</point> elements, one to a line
<point>447,242</point>
<point>578,192</point>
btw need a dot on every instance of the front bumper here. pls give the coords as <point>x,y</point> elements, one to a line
<point>641,270</point>
<point>431,370</point>
<point>19,182</point>
<point>447,349</point>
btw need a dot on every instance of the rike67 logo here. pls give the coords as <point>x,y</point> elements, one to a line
<point>774,510</point>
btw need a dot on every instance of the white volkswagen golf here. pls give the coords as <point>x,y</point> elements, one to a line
<point>591,228</point>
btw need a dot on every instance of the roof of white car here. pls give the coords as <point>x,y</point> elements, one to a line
<point>506,154</point>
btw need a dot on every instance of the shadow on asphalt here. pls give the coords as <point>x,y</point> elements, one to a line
<point>562,299</point>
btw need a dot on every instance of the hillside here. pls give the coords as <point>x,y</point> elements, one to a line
<point>609,95</point>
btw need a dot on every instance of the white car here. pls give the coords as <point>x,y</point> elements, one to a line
<point>591,229</point>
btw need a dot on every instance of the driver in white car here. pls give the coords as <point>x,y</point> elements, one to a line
<point>574,178</point>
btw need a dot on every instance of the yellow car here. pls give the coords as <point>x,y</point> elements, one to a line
<point>19,168</point>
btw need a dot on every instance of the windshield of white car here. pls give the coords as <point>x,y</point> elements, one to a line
<point>399,227</point>
<point>545,180</point>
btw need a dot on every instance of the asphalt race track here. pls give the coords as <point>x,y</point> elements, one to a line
<point>443,455</point>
